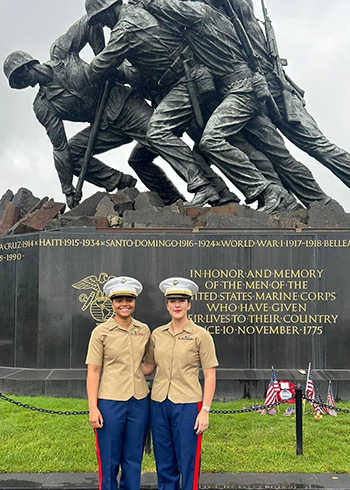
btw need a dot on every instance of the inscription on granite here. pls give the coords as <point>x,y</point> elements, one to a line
<point>278,299</point>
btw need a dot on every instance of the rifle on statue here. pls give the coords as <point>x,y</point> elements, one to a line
<point>180,66</point>
<point>253,61</point>
<point>287,91</point>
<point>191,87</point>
<point>92,139</point>
<point>104,93</point>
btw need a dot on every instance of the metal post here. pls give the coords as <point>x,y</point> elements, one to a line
<point>299,419</point>
<point>148,443</point>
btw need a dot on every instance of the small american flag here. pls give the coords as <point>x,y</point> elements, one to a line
<point>310,388</point>
<point>330,401</point>
<point>318,406</point>
<point>272,390</point>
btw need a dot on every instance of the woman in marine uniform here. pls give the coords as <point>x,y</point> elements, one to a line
<point>118,404</point>
<point>179,409</point>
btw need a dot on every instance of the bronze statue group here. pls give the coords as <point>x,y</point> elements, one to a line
<point>172,67</point>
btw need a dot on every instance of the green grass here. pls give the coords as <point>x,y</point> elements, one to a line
<point>33,442</point>
<point>256,443</point>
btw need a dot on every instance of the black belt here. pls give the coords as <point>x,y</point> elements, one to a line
<point>222,82</point>
<point>175,71</point>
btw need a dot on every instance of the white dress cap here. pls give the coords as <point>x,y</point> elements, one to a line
<point>122,286</point>
<point>178,287</point>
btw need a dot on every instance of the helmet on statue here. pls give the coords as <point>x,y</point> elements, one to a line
<point>95,7</point>
<point>12,65</point>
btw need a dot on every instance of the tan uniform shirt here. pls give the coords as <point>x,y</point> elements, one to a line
<point>178,358</point>
<point>120,352</point>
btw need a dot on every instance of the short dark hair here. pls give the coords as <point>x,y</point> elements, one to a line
<point>168,298</point>
<point>115,296</point>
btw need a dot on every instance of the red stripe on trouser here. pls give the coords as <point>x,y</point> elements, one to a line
<point>98,461</point>
<point>198,457</point>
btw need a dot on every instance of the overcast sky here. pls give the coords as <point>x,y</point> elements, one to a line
<point>312,34</point>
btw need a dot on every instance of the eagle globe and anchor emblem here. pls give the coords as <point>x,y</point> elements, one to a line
<point>98,304</point>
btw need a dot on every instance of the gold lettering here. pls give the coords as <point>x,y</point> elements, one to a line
<point>237,296</point>
<point>294,307</point>
<point>216,273</point>
<point>232,284</point>
<point>223,307</point>
<point>297,284</point>
<point>257,285</point>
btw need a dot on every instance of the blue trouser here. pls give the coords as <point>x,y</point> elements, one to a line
<point>120,442</point>
<point>177,448</point>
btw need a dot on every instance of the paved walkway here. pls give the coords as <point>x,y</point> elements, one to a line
<point>215,481</point>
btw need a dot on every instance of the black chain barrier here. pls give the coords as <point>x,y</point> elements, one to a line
<point>41,410</point>
<point>323,405</point>
<point>254,408</point>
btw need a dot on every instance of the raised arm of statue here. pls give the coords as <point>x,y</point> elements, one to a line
<point>245,11</point>
<point>105,64</point>
<point>76,38</point>
<point>55,130</point>
<point>96,38</point>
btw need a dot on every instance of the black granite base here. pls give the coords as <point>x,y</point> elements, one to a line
<point>268,297</point>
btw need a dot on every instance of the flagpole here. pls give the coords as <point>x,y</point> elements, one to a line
<point>307,377</point>
<point>330,400</point>
<point>278,407</point>
<point>308,374</point>
<point>328,394</point>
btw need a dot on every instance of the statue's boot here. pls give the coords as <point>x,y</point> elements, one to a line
<point>272,196</point>
<point>205,195</point>
<point>288,203</point>
<point>226,197</point>
<point>126,180</point>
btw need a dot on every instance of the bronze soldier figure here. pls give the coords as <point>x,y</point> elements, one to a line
<point>130,75</point>
<point>305,134</point>
<point>215,43</point>
<point>153,48</point>
<point>66,93</point>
